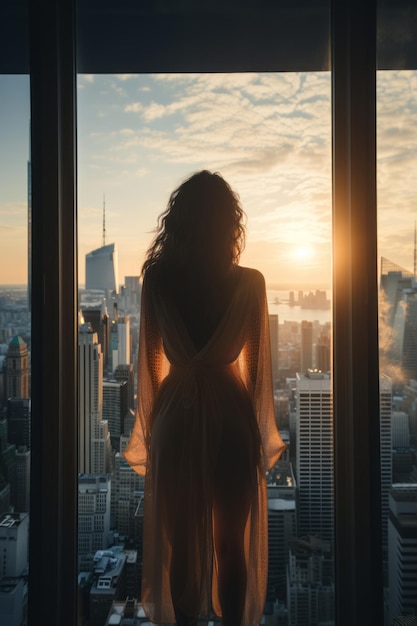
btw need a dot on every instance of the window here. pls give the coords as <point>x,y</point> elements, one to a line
<point>356,378</point>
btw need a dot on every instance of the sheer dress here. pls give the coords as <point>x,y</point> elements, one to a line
<point>205,428</point>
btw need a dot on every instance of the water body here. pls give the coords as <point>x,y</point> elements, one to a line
<point>278,303</point>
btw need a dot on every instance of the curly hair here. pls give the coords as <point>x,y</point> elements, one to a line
<point>202,225</point>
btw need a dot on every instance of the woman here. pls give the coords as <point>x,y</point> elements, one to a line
<point>205,430</point>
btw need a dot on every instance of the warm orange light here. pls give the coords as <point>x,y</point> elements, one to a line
<point>303,253</point>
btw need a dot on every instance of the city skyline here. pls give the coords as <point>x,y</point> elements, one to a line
<point>269,135</point>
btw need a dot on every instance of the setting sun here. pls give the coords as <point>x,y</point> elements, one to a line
<point>303,253</point>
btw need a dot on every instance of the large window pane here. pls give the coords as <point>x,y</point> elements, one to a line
<point>15,347</point>
<point>269,136</point>
<point>397,189</point>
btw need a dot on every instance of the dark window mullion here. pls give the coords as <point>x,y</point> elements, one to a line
<point>53,507</point>
<point>355,317</point>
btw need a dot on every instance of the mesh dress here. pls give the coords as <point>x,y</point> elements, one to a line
<point>205,422</point>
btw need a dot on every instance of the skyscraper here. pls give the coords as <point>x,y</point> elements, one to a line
<point>310,586</point>
<point>115,406</point>
<point>17,369</point>
<point>100,323</point>
<point>385,419</point>
<point>402,532</point>
<point>315,454</point>
<point>90,389</point>
<point>273,333</point>
<point>18,421</point>
<point>399,317</point>
<point>94,493</point>
<point>101,268</point>
<point>306,346</point>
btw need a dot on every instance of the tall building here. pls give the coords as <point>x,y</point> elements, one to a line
<point>110,585</point>
<point>94,438</point>
<point>22,492</point>
<point>282,526</point>
<point>7,465</point>
<point>101,268</point>
<point>402,533</point>
<point>306,346</point>
<point>126,373</point>
<point>274,337</point>
<point>323,353</point>
<point>399,317</point>
<point>385,419</point>
<point>14,534</point>
<point>127,492</point>
<point>115,406</point>
<point>94,493</point>
<point>310,586</point>
<point>14,537</point>
<point>400,429</point>
<point>123,341</point>
<point>100,323</point>
<point>315,455</point>
<point>18,421</point>
<point>17,369</point>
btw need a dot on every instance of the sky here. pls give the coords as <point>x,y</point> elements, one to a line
<point>269,135</point>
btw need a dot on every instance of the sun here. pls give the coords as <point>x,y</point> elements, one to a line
<point>303,253</point>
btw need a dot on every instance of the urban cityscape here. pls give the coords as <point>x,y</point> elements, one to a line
<point>301,588</point>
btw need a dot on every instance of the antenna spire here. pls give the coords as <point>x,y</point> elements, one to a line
<point>104,220</point>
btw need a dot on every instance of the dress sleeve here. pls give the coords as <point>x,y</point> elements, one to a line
<point>152,369</point>
<point>257,354</point>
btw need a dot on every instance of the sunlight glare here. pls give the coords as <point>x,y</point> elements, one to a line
<point>303,253</point>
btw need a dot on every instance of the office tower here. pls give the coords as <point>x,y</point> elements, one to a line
<point>385,419</point>
<point>399,317</point>
<point>100,323</point>
<point>127,490</point>
<point>126,373</point>
<point>402,541</point>
<point>22,494</point>
<point>101,268</point>
<point>400,430</point>
<point>18,421</point>
<point>291,300</point>
<point>323,353</point>
<point>22,490</point>
<point>282,526</point>
<point>315,455</point>
<point>130,294</point>
<point>310,586</point>
<point>7,462</point>
<point>306,346</point>
<point>123,341</point>
<point>273,334</point>
<point>14,534</point>
<point>94,493</point>
<point>115,406</point>
<point>4,496</point>
<point>94,438</point>
<point>17,369</point>
<point>394,280</point>
<point>110,585</point>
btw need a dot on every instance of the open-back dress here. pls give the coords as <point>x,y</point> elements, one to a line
<point>203,416</point>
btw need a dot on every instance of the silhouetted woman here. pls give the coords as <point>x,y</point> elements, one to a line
<point>205,430</point>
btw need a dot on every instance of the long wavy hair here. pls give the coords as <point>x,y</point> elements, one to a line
<point>202,227</point>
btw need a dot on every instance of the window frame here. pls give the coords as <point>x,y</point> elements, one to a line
<point>53,544</point>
